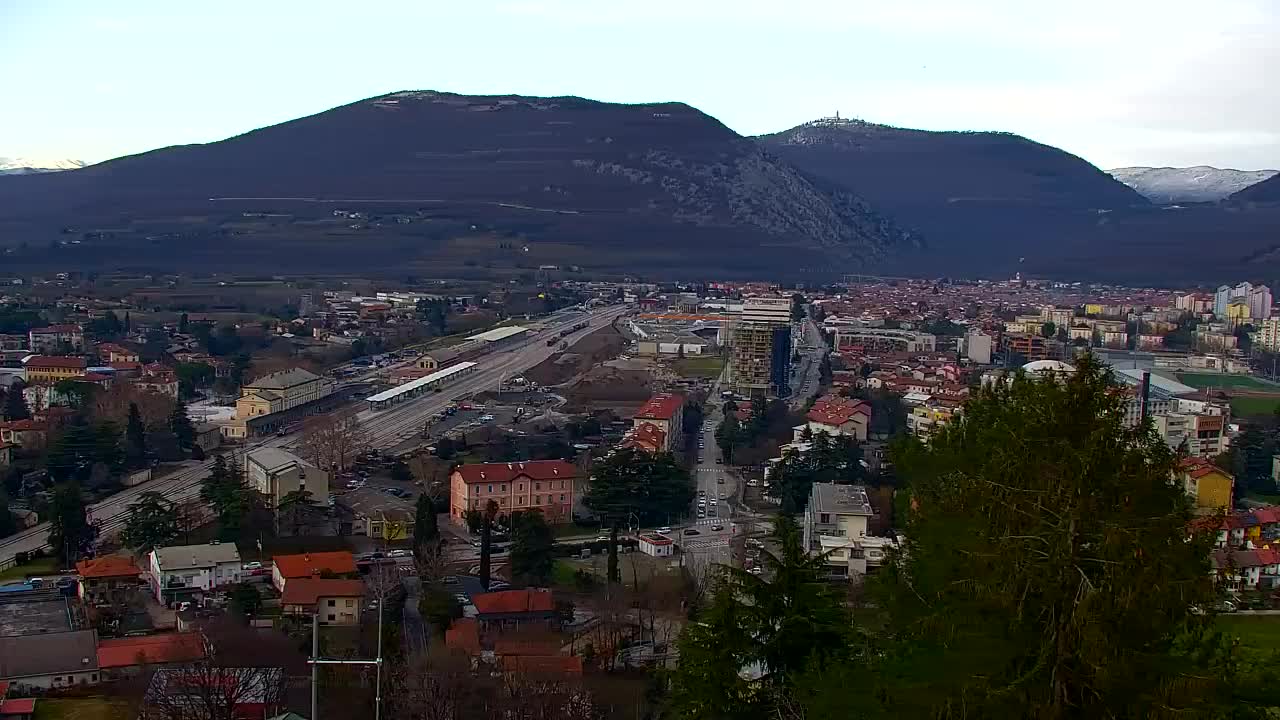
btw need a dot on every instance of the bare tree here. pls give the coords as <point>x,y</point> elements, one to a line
<point>332,441</point>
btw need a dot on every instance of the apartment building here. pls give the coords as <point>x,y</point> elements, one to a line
<point>545,485</point>
<point>275,473</point>
<point>835,525</point>
<point>1199,426</point>
<point>665,412</point>
<point>1255,298</point>
<point>1267,334</point>
<point>1029,346</point>
<point>56,338</point>
<point>186,572</point>
<point>760,359</point>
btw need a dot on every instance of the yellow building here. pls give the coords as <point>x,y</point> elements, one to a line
<point>925,420</point>
<point>1093,308</point>
<point>1207,484</point>
<point>49,369</point>
<point>1238,314</point>
<point>280,391</point>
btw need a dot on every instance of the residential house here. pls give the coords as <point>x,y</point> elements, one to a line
<point>108,579</point>
<point>56,338</point>
<point>926,419</point>
<point>1253,569</point>
<point>186,572</point>
<point>666,412</point>
<point>836,415</point>
<point>27,434</point>
<point>835,525</point>
<point>275,473</point>
<point>49,660</point>
<point>378,515</point>
<point>51,368</point>
<point>110,353</point>
<point>516,608</point>
<point>121,657</point>
<point>158,378</point>
<point>544,485</point>
<point>1208,485</point>
<point>340,563</point>
<point>337,602</point>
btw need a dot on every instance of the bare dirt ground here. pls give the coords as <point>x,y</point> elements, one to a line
<point>594,349</point>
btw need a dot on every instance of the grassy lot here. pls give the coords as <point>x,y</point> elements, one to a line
<point>704,366</point>
<point>1213,380</point>
<point>1250,406</point>
<point>37,567</point>
<point>1256,632</point>
<point>572,529</point>
<point>90,708</point>
<point>562,574</point>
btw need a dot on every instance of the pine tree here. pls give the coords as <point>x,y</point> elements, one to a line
<point>486,533</point>
<point>70,534</point>
<point>181,426</point>
<point>135,439</point>
<point>425,527</point>
<point>15,403</point>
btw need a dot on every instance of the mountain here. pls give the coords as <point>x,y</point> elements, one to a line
<point>454,183</point>
<point>1192,184</point>
<point>982,200</point>
<point>27,166</point>
<point>1266,192</point>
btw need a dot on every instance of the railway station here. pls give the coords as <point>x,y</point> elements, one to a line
<point>425,384</point>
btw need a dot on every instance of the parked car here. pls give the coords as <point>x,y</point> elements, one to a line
<point>251,566</point>
<point>664,530</point>
<point>691,531</point>
<point>400,553</point>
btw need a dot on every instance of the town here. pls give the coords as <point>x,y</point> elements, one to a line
<point>543,479</point>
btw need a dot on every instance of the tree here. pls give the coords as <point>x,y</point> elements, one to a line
<point>653,487</point>
<point>531,544</point>
<point>181,425</point>
<point>486,540</point>
<point>425,524</point>
<point>135,440</point>
<point>182,323</point>
<point>224,491</point>
<point>615,573</point>
<point>15,403</point>
<point>1053,569</point>
<point>782,627</point>
<point>1048,330</point>
<point>729,436</point>
<point>70,534</point>
<point>8,525</point>
<point>797,308</point>
<point>245,601</point>
<point>333,441</point>
<point>151,523</point>
<point>400,472</point>
<point>829,460</point>
<point>294,508</point>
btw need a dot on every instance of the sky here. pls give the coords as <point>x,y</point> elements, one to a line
<point>1117,82</point>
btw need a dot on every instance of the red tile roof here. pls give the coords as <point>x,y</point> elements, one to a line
<point>65,328</point>
<point>1268,514</point>
<point>125,365</point>
<point>463,634</point>
<point>53,361</point>
<point>108,566</point>
<point>306,591</point>
<point>506,472</point>
<point>647,437</point>
<point>662,406</point>
<point>835,410</point>
<point>1199,467</point>
<point>514,601</point>
<point>163,648</point>
<point>307,565</point>
<point>18,706</point>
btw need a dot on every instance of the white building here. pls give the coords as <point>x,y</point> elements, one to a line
<point>655,545</point>
<point>184,572</point>
<point>977,347</point>
<point>275,473</point>
<point>1267,334</point>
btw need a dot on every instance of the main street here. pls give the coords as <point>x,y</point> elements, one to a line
<point>386,428</point>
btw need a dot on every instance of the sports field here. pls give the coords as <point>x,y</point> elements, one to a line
<point>1215,380</point>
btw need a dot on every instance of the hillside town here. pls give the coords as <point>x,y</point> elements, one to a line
<point>543,479</point>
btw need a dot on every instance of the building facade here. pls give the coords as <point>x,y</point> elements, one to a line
<point>56,338</point>
<point>185,572</point>
<point>665,412</point>
<point>275,473</point>
<point>281,391</point>
<point>544,485</point>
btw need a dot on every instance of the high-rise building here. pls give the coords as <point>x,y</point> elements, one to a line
<point>1267,334</point>
<point>978,348</point>
<point>761,354</point>
<point>1256,297</point>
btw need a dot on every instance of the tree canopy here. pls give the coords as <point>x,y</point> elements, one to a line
<point>151,523</point>
<point>531,544</point>
<point>653,486</point>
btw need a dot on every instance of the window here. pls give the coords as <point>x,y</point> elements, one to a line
<point>521,488</point>
<point>503,488</point>
<point>537,500</point>
<point>521,500</point>
<point>490,488</point>
<point>537,486</point>
<point>333,603</point>
<point>824,517</point>
<point>350,602</point>
<point>330,617</point>
<point>561,484</point>
<point>561,497</point>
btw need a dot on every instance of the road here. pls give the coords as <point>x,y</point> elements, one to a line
<point>714,485</point>
<point>806,375</point>
<point>386,428</point>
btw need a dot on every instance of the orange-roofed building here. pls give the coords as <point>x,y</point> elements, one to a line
<point>645,436</point>
<point>666,412</point>
<point>110,578</point>
<point>1209,486</point>
<point>51,369</point>
<point>118,656</point>
<point>337,602</point>
<point>836,415</point>
<point>544,485</point>
<point>515,608</point>
<point>311,565</point>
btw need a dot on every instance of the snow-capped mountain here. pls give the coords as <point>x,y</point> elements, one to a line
<point>1193,184</point>
<point>29,166</point>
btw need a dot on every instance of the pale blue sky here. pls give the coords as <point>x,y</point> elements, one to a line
<point>1119,82</point>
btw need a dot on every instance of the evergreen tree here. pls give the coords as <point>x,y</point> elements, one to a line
<point>224,490</point>
<point>182,323</point>
<point>151,523</point>
<point>180,425</point>
<point>425,524</point>
<point>1053,569</point>
<point>15,403</point>
<point>486,539</point>
<point>615,572</point>
<point>531,548</point>
<point>70,534</point>
<point>782,627</point>
<point>653,487</point>
<point>135,440</point>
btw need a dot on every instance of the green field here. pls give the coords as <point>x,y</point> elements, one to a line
<point>36,568</point>
<point>1249,406</point>
<point>706,367</point>
<point>1256,632</point>
<point>90,708</point>
<point>1214,380</point>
